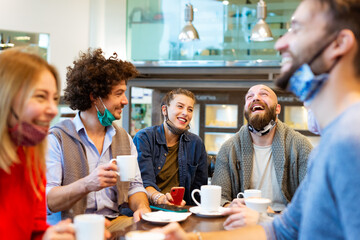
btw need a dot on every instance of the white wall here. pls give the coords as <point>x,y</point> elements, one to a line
<point>115,27</point>
<point>67,22</point>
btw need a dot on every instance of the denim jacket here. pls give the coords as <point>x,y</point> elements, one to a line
<point>152,151</point>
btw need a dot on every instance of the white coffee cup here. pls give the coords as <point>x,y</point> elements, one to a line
<point>89,227</point>
<point>249,193</point>
<point>258,204</point>
<point>126,167</point>
<point>210,197</point>
<point>141,235</point>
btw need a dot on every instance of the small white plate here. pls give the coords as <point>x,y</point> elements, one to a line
<point>201,213</point>
<point>165,217</point>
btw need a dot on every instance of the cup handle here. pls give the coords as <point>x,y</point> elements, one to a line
<point>193,197</point>
<point>112,161</point>
<point>240,194</point>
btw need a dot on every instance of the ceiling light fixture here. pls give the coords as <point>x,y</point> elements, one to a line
<point>261,31</point>
<point>188,33</point>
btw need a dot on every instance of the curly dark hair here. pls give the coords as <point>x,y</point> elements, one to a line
<point>93,74</point>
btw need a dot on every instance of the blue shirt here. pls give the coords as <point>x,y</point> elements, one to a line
<point>101,202</point>
<point>152,149</point>
<point>326,205</point>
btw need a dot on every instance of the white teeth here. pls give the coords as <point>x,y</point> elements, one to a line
<point>285,60</point>
<point>255,108</point>
<point>181,120</point>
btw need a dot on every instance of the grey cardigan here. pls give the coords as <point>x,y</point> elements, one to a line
<point>234,162</point>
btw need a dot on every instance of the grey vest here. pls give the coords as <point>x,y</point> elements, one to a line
<point>76,164</point>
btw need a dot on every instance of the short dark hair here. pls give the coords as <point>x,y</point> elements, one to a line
<point>171,95</point>
<point>344,14</point>
<point>93,74</point>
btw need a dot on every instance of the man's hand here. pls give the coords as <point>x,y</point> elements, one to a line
<point>240,216</point>
<point>137,214</point>
<point>103,176</point>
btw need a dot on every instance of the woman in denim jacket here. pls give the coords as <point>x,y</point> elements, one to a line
<point>169,155</point>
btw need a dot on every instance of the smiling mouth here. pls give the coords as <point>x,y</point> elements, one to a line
<point>257,108</point>
<point>182,120</point>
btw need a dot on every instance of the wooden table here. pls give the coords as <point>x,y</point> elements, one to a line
<point>192,223</point>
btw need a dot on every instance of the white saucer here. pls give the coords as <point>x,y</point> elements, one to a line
<point>201,213</point>
<point>162,217</point>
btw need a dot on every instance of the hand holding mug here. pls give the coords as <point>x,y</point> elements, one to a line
<point>103,176</point>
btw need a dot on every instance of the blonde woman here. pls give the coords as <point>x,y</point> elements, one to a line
<point>29,94</point>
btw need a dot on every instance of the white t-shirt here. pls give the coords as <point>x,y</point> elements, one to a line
<point>263,177</point>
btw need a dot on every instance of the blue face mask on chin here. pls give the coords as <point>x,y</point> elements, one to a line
<point>305,85</point>
<point>107,118</point>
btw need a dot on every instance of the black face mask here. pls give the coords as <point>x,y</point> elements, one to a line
<point>173,129</point>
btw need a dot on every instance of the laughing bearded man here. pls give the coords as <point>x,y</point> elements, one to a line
<point>265,154</point>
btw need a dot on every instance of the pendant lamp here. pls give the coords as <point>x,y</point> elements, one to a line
<point>188,33</point>
<point>261,31</point>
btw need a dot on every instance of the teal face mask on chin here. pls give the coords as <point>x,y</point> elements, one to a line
<point>107,118</point>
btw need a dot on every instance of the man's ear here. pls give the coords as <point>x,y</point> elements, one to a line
<point>343,44</point>
<point>92,97</point>
<point>278,109</point>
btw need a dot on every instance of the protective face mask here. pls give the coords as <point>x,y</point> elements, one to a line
<point>305,85</point>
<point>313,125</point>
<point>263,131</point>
<point>26,134</point>
<point>107,118</point>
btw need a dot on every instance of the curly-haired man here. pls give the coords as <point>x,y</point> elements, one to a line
<point>80,177</point>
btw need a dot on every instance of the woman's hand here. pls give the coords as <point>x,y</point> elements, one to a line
<point>170,200</point>
<point>64,230</point>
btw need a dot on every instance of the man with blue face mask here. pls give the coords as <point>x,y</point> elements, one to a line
<point>80,177</point>
<point>324,43</point>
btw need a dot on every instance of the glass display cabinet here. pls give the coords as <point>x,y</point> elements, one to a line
<point>221,116</point>
<point>214,140</point>
<point>296,117</point>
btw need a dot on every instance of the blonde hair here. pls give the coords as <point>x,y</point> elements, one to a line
<point>19,72</point>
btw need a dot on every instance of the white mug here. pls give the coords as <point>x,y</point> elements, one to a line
<point>210,197</point>
<point>248,193</point>
<point>258,204</point>
<point>126,167</point>
<point>89,227</point>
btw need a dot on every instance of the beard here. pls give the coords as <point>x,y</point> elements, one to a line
<point>283,80</point>
<point>259,121</point>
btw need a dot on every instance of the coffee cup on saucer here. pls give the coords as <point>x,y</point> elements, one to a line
<point>258,204</point>
<point>249,193</point>
<point>210,196</point>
